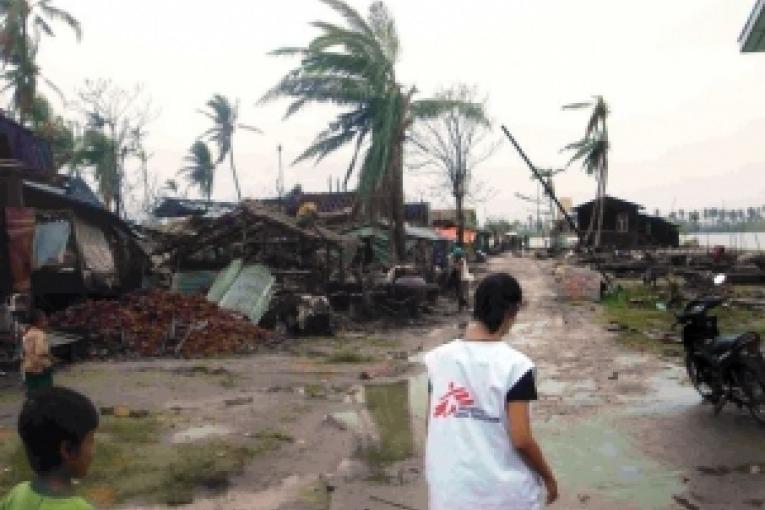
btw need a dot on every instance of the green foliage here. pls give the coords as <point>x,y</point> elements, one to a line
<point>199,168</point>
<point>54,129</point>
<point>354,67</point>
<point>347,355</point>
<point>97,151</point>
<point>22,25</point>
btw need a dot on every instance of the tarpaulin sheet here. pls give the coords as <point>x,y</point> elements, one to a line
<point>20,225</point>
<point>93,247</point>
<point>450,233</point>
<point>250,293</point>
<point>224,280</point>
<point>50,243</point>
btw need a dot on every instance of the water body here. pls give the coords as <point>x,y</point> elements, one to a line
<point>744,241</point>
<point>749,241</point>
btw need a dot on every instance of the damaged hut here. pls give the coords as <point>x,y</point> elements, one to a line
<point>626,227</point>
<point>57,242</point>
<point>291,263</point>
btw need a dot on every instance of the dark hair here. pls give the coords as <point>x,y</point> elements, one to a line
<point>37,316</point>
<point>50,417</point>
<point>497,294</point>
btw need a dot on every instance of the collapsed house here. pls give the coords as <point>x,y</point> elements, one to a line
<point>625,227</point>
<point>280,262</point>
<point>425,248</point>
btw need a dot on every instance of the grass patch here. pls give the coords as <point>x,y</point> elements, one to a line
<point>316,391</point>
<point>634,308</point>
<point>387,343</point>
<point>389,406</point>
<point>133,464</point>
<point>274,435</point>
<point>347,355</point>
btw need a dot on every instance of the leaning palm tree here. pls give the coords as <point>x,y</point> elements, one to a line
<point>592,152</point>
<point>353,67</point>
<point>22,25</point>
<point>200,169</point>
<point>96,151</point>
<point>225,117</point>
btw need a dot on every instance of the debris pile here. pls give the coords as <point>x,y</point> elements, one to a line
<point>158,323</point>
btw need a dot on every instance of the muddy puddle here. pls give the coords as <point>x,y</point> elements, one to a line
<point>593,456</point>
<point>388,419</point>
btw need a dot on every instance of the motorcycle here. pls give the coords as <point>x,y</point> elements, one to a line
<point>722,368</point>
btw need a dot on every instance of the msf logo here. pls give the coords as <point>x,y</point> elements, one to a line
<point>453,401</point>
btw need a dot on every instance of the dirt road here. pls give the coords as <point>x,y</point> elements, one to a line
<point>622,429</point>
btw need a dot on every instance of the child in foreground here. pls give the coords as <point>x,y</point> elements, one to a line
<point>57,427</point>
<point>481,453</point>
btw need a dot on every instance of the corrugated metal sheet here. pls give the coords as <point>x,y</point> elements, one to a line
<point>251,292</point>
<point>224,280</point>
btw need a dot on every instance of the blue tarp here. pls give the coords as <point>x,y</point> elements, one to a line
<point>50,243</point>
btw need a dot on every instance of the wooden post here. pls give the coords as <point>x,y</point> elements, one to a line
<point>326,265</point>
<point>342,266</point>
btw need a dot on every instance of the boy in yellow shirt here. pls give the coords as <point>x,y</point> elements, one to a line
<point>57,426</point>
<point>37,363</point>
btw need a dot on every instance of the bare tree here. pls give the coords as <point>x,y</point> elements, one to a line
<point>452,145</point>
<point>120,117</point>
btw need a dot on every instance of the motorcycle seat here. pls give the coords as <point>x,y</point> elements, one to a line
<point>722,344</point>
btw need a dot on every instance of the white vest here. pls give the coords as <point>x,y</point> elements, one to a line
<point>470,461</point>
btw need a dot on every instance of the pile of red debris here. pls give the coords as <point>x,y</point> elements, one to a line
<point>158,323</point>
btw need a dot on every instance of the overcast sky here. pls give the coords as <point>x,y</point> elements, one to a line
<point>688,109</point>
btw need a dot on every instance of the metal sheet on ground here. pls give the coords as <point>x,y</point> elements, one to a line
<point>224,280</point>
<point>251,292</point>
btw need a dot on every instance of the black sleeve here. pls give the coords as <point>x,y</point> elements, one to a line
<point>524,390</point>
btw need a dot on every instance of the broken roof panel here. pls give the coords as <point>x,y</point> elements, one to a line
<point>20,144</point>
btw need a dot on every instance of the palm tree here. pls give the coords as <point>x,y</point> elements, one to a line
<point>353,67</point>
<point>200,169</point>
<point>592,151</point>
<point>96,151</point>
<point>225,117</point>
<point>22,25</point>
<point>54,129</point>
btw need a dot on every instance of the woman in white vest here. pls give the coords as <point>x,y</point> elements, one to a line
<point>481,453</point>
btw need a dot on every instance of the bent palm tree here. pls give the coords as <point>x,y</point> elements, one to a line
<point>353,66</point>
<point>225,117</point>
<point>199,169</point>
<point>96,151</point>
<point>22,25</point>
<point>592,152</point>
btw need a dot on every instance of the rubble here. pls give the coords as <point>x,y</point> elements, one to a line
<point>159,323</point>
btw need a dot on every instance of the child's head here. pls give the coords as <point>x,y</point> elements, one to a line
<point>38,318</point>
<point>57,426</point>
<point>497,301</point>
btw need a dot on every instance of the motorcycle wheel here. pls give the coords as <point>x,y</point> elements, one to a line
<point>753,387</point>
<point>704,389</point>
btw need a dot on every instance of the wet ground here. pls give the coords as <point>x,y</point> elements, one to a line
<point>621,429</point>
